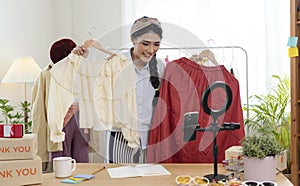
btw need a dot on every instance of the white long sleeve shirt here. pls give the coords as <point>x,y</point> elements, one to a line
<point>61,95</point>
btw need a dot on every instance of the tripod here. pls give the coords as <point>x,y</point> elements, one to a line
<point>191,124</point>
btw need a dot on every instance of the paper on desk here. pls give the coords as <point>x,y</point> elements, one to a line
<point>138,170</point>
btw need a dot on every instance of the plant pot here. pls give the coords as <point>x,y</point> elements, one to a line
<point>260,169</point>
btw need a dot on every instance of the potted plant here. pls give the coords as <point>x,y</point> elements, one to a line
<point>11,116</point>
<point>259,157</point>
<point>25,107</point>
<point>269,114</point>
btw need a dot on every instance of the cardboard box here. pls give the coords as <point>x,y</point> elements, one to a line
<point>21,172</point>
<point>233,152</point>
<point>18,148</point>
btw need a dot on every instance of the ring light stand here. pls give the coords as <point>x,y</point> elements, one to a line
<point>191,123</point>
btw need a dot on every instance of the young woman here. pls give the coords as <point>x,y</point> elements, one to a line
<point>146,35</point>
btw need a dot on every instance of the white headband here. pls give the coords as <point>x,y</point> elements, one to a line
<point>142,23</point>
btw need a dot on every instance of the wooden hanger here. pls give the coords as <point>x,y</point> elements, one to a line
<point>90,42</point>
<point>198,60</point>
<point>206,55</point>
<point>195,58</point>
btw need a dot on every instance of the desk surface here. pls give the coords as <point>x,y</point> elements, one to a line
<point>103,178</point>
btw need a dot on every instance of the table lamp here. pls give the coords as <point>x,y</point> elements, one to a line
<point>23,70</point>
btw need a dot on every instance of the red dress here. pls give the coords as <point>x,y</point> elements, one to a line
<point>181,91</point>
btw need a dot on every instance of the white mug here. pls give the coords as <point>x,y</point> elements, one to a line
<point>63,166</point>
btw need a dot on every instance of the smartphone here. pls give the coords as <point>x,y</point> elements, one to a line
<point>189,126</point>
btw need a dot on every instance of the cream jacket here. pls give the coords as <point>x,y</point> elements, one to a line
<point>105,92</point>
<point>39,104</point>
<point>115,98</point>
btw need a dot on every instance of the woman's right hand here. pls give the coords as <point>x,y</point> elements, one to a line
<point>81,51</point>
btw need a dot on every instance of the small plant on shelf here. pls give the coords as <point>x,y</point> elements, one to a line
<point>11,116</point>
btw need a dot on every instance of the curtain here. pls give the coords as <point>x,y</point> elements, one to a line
<point>260,27</point>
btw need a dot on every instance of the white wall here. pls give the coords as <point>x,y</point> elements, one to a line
<point>62,19</point>
<point>97,18</point>
<point>26,30</point>
<point>261,27</point>
<point>30,27</point>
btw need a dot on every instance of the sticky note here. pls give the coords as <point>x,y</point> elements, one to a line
<point>292,41</point>
<point>293,51</point>
<point>76,179</point>
<point>84,176</point>
<point>71,181</point>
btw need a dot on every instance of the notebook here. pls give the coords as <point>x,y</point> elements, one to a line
<point>138,170</point>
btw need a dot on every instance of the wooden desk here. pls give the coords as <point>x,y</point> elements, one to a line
<point>103,179</point>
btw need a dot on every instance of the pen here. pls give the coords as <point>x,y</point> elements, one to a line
<point>98,170</point>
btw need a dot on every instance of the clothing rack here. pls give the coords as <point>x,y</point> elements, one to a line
<point>240,61</point>
<point>234,56</point>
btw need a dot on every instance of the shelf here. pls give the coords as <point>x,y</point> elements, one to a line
<point>295,100</point>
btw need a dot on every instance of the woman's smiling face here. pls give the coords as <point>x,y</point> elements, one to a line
<point>145,46</point>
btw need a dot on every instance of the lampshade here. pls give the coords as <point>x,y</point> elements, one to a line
<point>23,70</point>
